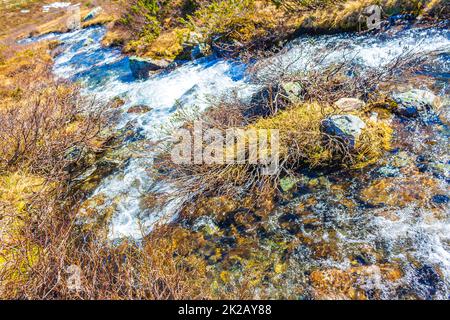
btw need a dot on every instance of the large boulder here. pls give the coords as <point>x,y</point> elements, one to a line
<point>141,67</point>
<point>346,127</point>
<point>413,102</point>
<point>349,104</point>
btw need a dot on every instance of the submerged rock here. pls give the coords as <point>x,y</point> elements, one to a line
<point>141,67</point>
<point>141,108</point>
<point>400,192</point>
<point>413,102</point>
<point>349,104</point>
<point>347,127</point>
<point>352,283</point>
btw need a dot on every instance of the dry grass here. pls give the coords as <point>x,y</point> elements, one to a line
<point>42,122</point>
<point>15,24</point>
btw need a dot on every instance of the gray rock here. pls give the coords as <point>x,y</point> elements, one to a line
<point>292,90</point>
<point>141,67</point>
<point>346,127</point>
<point>92,14</point>
<point>413,102</point>
<point>349,104</point>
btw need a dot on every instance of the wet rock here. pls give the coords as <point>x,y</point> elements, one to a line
<point>349,104</point>
<point>194,47</point>
<point>117,102</point>
<point>140,108</point>
<point>399,19</point>
<point>413,102</point>
<point>75,153</point>
<point>429,280</point>
<point>141,67</point>
<point>346,127</point>
<point>199,51</point>
<point>190,95</point>
<point>290,222</point>
<point>92,14</point>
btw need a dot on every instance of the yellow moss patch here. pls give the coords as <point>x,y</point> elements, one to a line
<point>168,45</point>
<point>16,187</point>
<point>17,254</point>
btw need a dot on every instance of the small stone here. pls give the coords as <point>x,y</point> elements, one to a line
<point>413,102</point>
<point>139,109</point>
<point>440,199</point>
<point>401,160</point>
<point>292,90</point>
<point>205,224</point>
<point>389,171</point>
<point>117,102</point>
<point>349,104</point>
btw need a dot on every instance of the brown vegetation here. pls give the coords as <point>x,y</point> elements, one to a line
<point>48,134</point>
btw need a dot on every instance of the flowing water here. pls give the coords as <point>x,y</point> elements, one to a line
<point>395,213</point>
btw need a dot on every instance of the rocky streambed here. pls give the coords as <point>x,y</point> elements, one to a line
<point>379,232</point>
